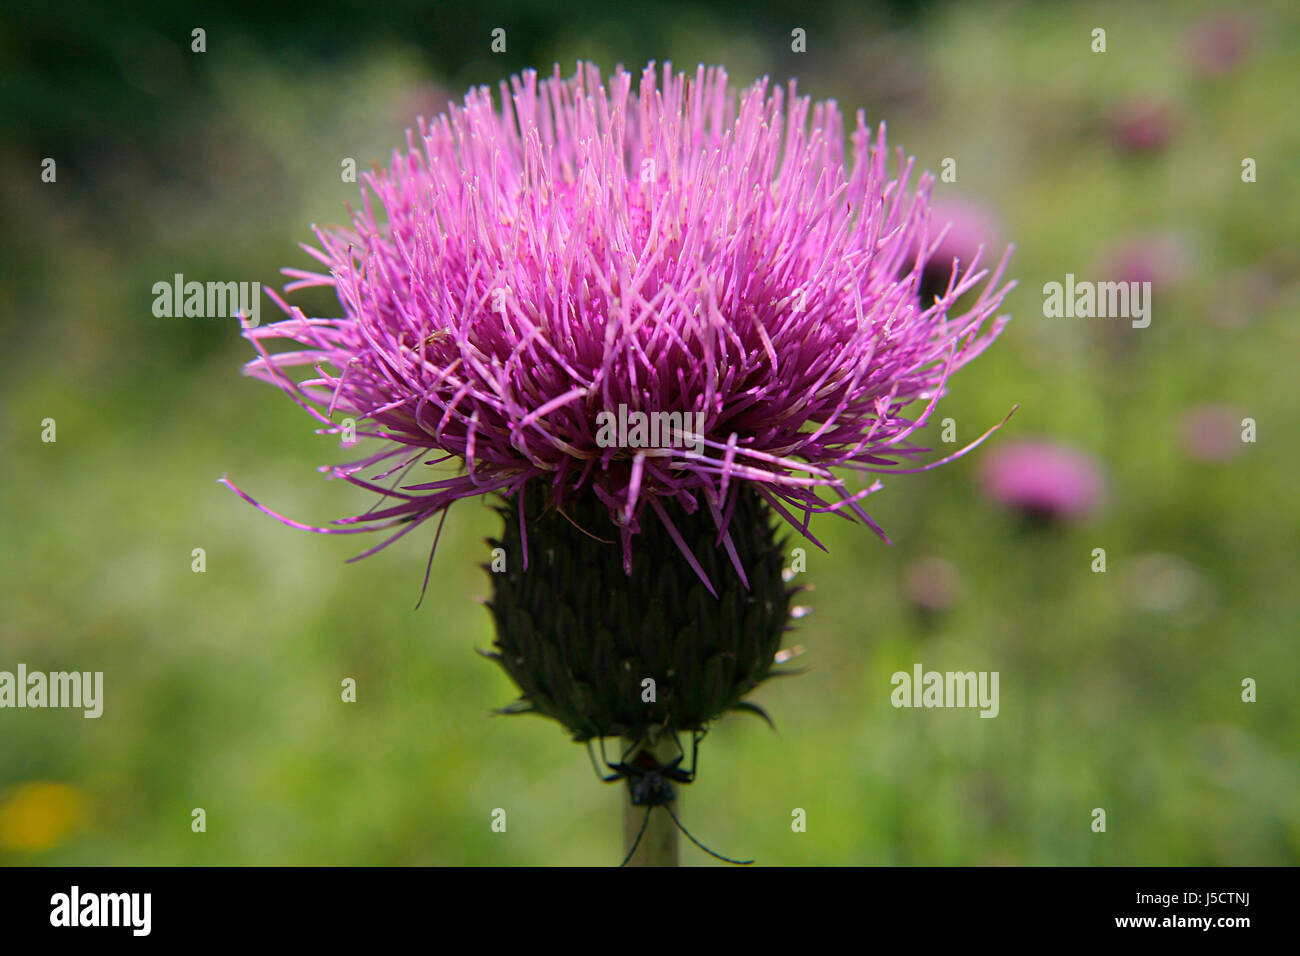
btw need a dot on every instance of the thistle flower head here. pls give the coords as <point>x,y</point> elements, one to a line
<point>661,244</point>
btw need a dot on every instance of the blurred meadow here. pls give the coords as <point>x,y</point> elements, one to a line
<point>1120,690</point>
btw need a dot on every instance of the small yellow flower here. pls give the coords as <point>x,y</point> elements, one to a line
<point>39,815</point>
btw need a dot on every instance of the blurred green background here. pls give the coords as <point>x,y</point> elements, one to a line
<point>1119,690</point>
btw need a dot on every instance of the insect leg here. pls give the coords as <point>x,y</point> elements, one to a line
<point>591,754</point>
<point>695,752</point>
<point>636,745</point>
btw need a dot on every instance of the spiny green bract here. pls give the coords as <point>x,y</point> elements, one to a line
<point>579,636</point>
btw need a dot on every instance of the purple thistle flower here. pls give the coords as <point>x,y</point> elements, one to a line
<point>581,245</point>
<point>1043,480</point>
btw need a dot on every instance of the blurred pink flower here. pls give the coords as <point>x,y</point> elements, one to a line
<point>1043,479</point>
<point>1211,432</point>
<point>1162,259</point>
<point>932,584</point>
<point>1142,125</point>
<point>1218,44</point>
<point>970,225</point>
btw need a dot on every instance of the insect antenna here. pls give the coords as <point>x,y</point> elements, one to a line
<point>640,833</point>
<point>724,859</point>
